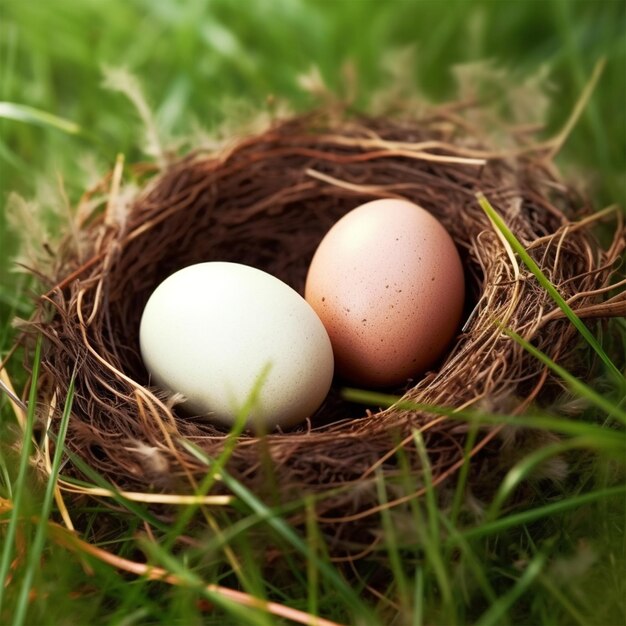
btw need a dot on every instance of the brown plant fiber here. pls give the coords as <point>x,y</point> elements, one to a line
<point>267,200</point>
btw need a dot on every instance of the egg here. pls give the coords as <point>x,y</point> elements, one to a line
<point>225,334</point>
<point>388,284</point>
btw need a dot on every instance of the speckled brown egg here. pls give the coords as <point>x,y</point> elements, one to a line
<point>387,283</point>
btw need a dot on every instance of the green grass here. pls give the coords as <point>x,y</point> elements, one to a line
<point>543,552</point>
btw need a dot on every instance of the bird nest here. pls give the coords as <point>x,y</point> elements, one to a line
<point>267,200</point>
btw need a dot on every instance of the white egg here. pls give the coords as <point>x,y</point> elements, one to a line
<point>225,335</point>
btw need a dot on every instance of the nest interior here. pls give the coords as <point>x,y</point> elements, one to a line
<point>267,200</point>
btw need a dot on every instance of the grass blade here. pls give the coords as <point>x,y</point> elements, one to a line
<point>577,386</point>
<point>523,468</point>
<point>613,440</point>
<point>498,609</point>
<point>498,223</point>
<point>37,117</point>
<point>418,598</point>
<point>314,541</point>
<point>475,563</point>
<point>37,545</point>
<point>554,508</point>
<point>21,487</point>
<point>391,544</point>
<point>562,599</point>
<point>433,544</point>
<point>459,490</point>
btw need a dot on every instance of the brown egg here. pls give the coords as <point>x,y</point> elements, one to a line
<point>387,283</point>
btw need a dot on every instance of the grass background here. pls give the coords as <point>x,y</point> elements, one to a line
<point>201,62</point>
